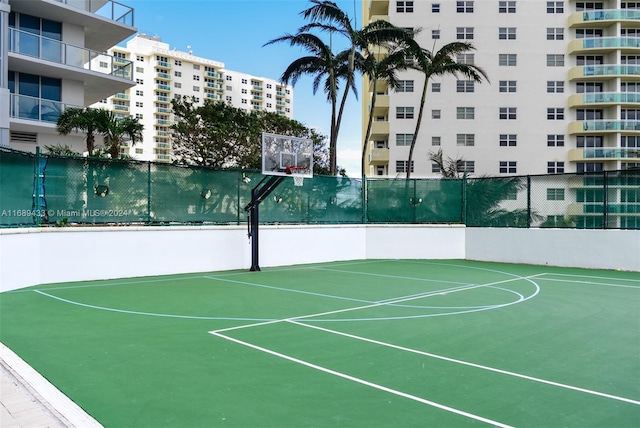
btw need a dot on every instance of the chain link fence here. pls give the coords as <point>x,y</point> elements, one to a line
<point>39,190</point>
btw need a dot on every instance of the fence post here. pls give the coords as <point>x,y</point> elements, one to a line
<point>605,199</point>
<point>528,201</point>
<point>148,192</point>
<point>35,205</point>
<point>364,199</point>
<point>463,214</point>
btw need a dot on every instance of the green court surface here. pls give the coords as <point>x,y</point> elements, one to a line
<point>375,343</point>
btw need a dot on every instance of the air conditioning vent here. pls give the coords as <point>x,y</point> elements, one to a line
<point>24,137</point>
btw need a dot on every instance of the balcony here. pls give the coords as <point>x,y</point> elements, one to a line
<point>163,76</point>
<point>257,88</point>
<point>163,110</point>
<point>106,23</point>
<point>604,72</point>
<point>602,18</point>
<point>163,122</point>
<point>281,103</point>
<point>163,145</point>
<point>382,105</point>
<point>212,96</point>
<point>378,7</point>
<point>163,64</point>
<point>605,44</point>
<point>98,70</point>
<point>39,109</point>
<point>213,74</point>
<point>212,85</point>
<point>163,157</point>
<point>379,130</point>
<point>163,99</point>
<point>280,94</point>
<point>603,126</point>
<point>598,208</point>
<point>604,99</point>
<point>603,154</point>
<point>163,134</point>
<point>121,96</point>
<point>378,156</point>
<point>163,88</point>
<point>120,107</point>
<point>256,107</point>
<point>256,97</point>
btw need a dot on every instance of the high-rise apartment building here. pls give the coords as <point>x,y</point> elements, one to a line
<point>563,96</point>
<point>162,74</point>
<point>52,56</point>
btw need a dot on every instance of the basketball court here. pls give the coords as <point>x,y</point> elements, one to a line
<point>357,343</point>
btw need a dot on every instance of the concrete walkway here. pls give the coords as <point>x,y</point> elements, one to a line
<point>28,400</point>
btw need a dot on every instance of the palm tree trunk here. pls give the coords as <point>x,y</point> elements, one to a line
<point>415,133</point>
<point>367,135</point>
<point>345,94</point>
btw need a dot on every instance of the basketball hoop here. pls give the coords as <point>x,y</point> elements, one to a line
<point>298,180</point>
<point>296,172</point>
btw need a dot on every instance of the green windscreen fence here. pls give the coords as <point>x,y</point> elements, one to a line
<point>40,190</point>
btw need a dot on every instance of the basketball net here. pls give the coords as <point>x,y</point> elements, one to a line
<point>298,180</point>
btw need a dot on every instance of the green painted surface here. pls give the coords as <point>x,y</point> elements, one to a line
<point>400,343</point>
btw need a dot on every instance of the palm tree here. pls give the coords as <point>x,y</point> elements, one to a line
<point>116,130</point>
<point>443,62</point>
<point>328,17</point>
<point>379,71</point>
<point>80,120</point>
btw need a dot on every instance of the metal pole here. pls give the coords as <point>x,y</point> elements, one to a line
<point>255,221</point>
<point>528,201</point>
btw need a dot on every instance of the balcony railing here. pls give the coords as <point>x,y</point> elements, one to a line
<point>605,125</point>
<point>609,42</point>
<point>609,153</point>
<point>40,109</point>
<point>56,51</point>
<point>610,97</point>
<point>611,70</point>
<point>107,9</point>
<point>611,14</point>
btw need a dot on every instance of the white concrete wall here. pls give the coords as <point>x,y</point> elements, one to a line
<point>585,248</point>
<point>49,255</point>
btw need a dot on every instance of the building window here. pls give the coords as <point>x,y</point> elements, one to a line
<point>228,98</point>
<point>140,58</point>
<point>555,114</point>
<point>435,87</point>
<point>589,141</point>
<point>589,166</point>
<point>405,86</point>
<point>508,167</point>
<point>508,113</point>
<point>196,66</point>
<point>507,60</point>
<point>139,93</point>
<point>507,7</point>
<point>556,87</point>
<point>139,82</point>
<point>196,77</point>
<point>401,166</point>
<point>630,141</point>
<point>244,81</point>
<point>404,112</point>
<point>555,167</point>
<point>555,140</point>
<point>435,141</point>
<point>139,104</point>
<point>196,89</point>
<point>507,33</point>
<point>177,73</point>
<point>464,7</point>
<point>465,113</point>
<point>435,168</point>
<point>244,91</point>
<point>508,140</point>
<point>228,78</point>
<point>555,33</point>
<point>178,85</point>
<point>178,63</point>
<point>435,34</point>
<point>555,7</point>
<point>591,114</point>
<point>464,33</point>
<point>555,60</point>
<point>590,33</point>
<point>555,194</point>
<point>435,7</point>
<point>465,85</point>
<point>467,140</point>
<point>435,114</point>
<point>465,59</point>
<point>244,101</point>
<point>507,86</point>
<point>404,6</point>
<point>403,139</point>
<point>467,166</point>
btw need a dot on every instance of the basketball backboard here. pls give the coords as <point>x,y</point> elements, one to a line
<point>285,155</point>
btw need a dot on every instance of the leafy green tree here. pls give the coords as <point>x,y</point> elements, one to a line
<point>61,150</point>
<point>443,62</point>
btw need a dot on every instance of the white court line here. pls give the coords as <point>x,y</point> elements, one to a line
<point>479,366</point>
<point>594,277</point>
<point>381,275</point>
<point>373,305</point>
<point>366,383</point>
<point>591,283</point>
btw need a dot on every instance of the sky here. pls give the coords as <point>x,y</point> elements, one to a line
<point>234,32</point>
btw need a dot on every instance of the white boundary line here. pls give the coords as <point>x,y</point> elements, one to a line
<point>60,402</point>
<point>591,283</point>
<point>479,366</point>
<point>366,383</point>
